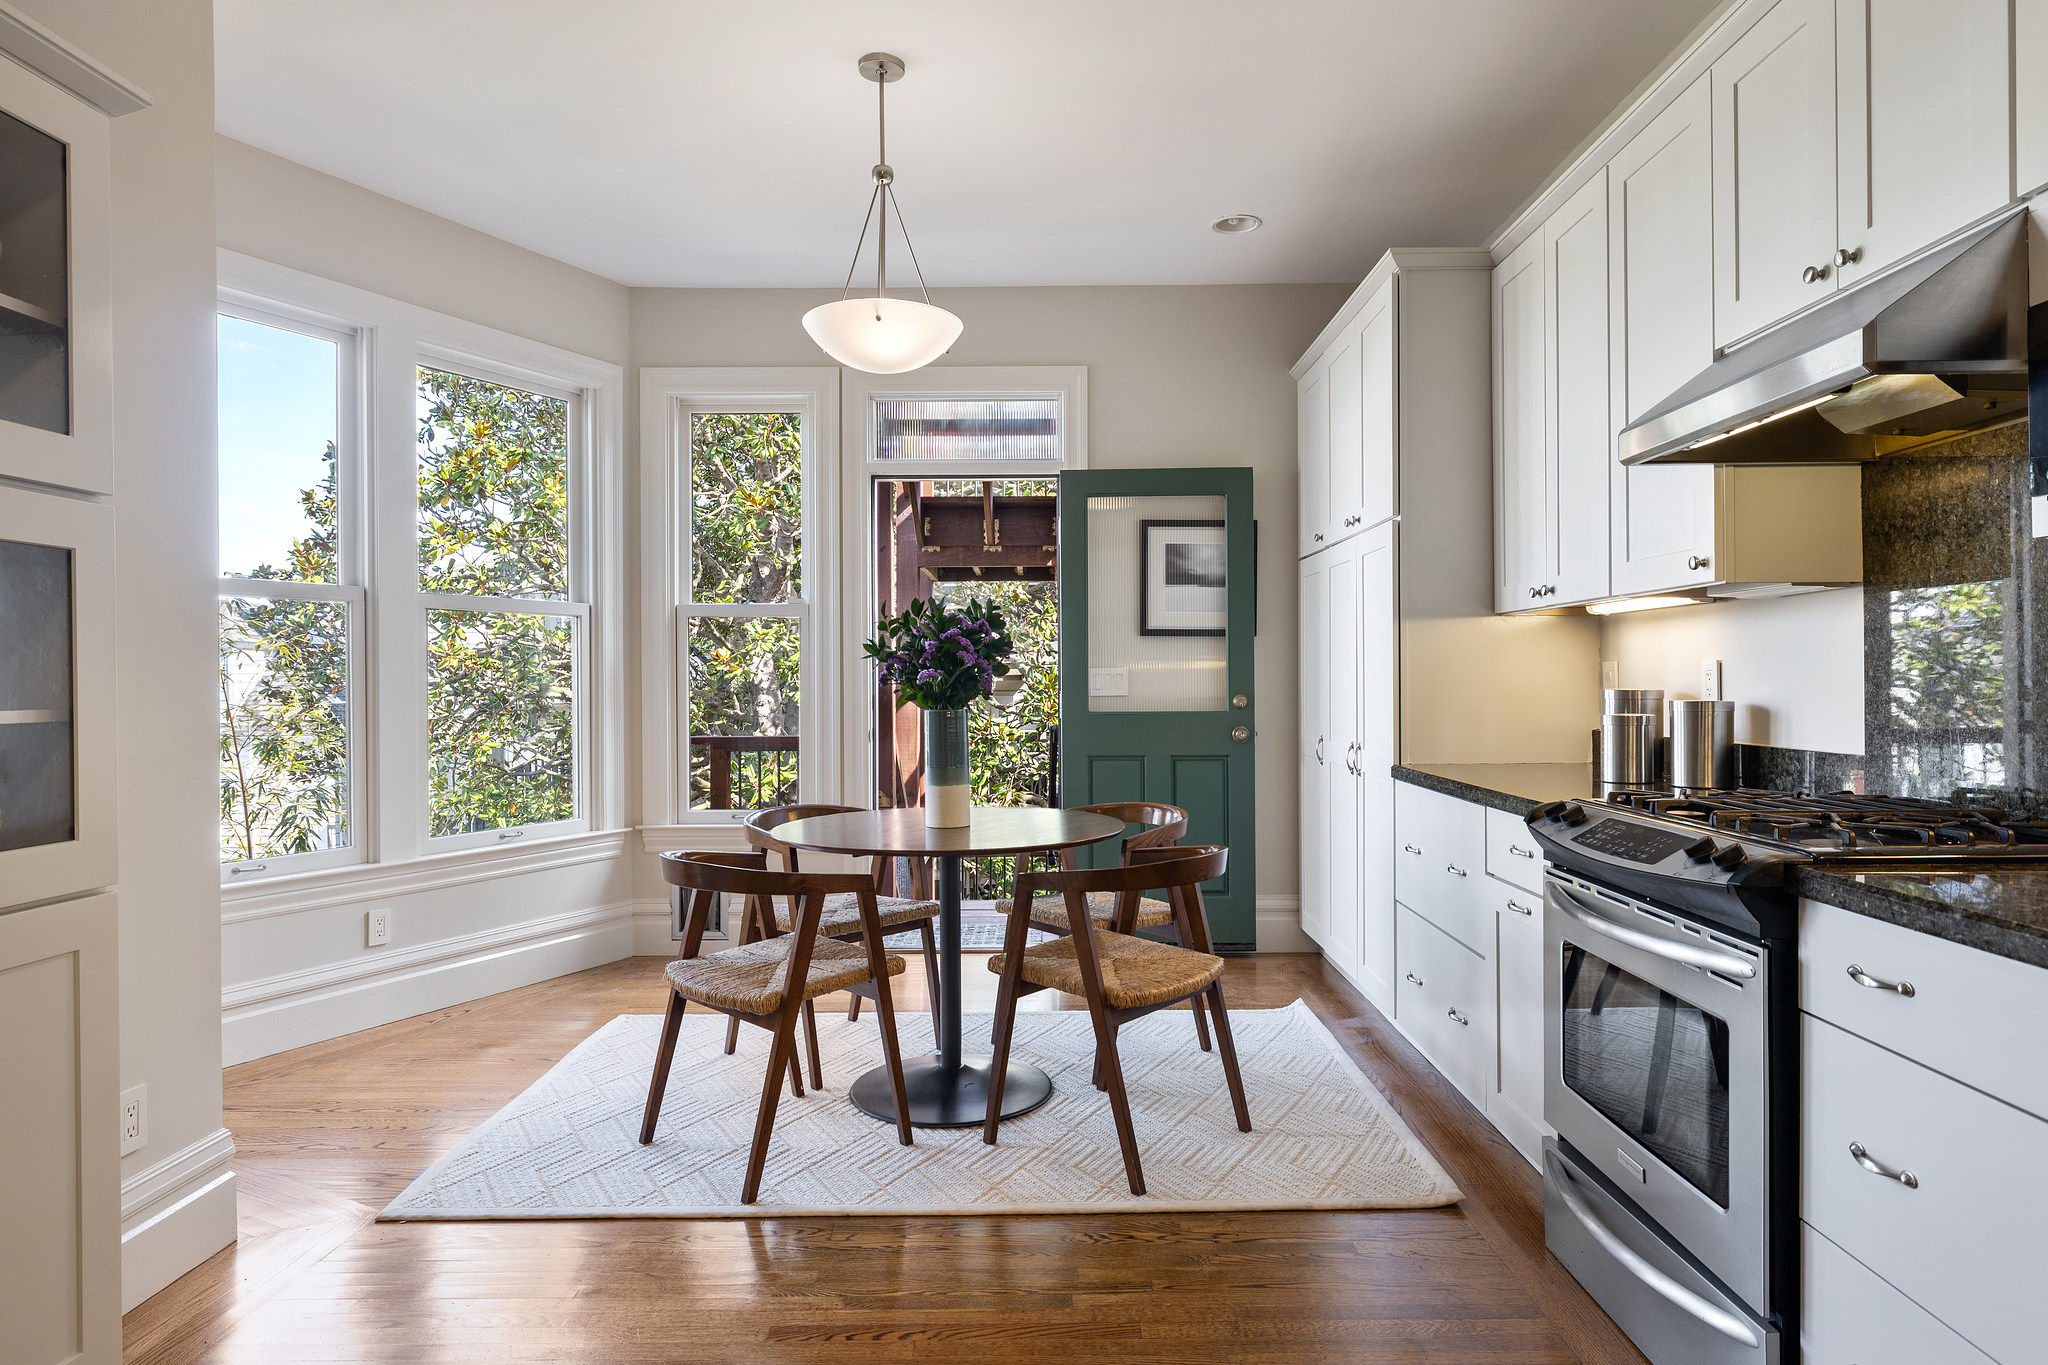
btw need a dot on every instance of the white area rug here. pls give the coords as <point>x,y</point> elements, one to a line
<point>1323,1137</point>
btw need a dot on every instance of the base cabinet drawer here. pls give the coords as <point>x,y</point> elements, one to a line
<point>1968,1014</point>
<point>1939,1190</point>
<point>1445,1003</point>
<point>1848,1316</point>
<point>1440,863</point>
<point>1511,851</point>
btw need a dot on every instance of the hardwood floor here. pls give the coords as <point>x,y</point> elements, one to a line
<point>328,1134</point>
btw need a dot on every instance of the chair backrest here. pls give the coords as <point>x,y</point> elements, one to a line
<point>1177,871</point>
<point>761,826</point>
<point>1164,824</point>
<point>747,874</point>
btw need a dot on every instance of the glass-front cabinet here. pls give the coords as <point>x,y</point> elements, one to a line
<point>55,380</point>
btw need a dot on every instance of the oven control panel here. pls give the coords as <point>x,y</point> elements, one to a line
<point>1636,843</point>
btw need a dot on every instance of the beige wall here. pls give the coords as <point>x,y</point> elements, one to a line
<point>277,210</point>
<point>1793,666</point>
<point>1193,375</point>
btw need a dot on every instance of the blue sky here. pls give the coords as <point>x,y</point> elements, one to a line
<point>277,414</point>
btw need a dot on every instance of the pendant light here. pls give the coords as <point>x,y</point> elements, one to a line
<point>881,335</point>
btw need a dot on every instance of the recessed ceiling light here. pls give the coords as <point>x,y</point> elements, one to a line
<point>1237,222</point>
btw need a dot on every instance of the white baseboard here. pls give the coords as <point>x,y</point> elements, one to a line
<point>277,1013</point>
<point>653,927</point>
<point>1278,926</point>
<point>175,1214</point>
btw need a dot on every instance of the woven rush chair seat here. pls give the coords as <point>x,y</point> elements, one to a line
<point>1051,911</point>
<point>753,977</point>
<point>1136,972</point>
<point>842,913</point>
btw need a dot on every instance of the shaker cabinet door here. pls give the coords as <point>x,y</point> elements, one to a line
<point>1774,169</point>
<point>2030,95</point>
<point>1521,482</point>
<point>1342,810</point>
<point>1379,749</point>
<point>1377,416</point>
<point>1579,441</point>
<point>1660,219</point>
<point>1312,424</point>
<point>1924,94</point>
<point>1313,756</point>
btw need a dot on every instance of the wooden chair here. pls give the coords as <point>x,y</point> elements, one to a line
<point>768,982</point>
<point>1164,826</point>
<point>842,917</point>
<point>1123,977</point>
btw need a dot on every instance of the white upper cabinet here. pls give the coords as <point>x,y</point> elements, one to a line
<point>1552,426</point>
<point>1661,307</point>
<point>1521,479</point>
<point>2030,95</point>
<point>1774,193</point>
<point>1361,421</point>
<point>1313,432</point>
<point>1579,444</point>
<point>1924,97</point>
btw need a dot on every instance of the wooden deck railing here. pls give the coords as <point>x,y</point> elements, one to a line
<point>766,764</point>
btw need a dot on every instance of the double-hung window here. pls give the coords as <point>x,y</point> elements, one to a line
<point>291,595</point>
<point>504,625</point>
<point>412,599</point>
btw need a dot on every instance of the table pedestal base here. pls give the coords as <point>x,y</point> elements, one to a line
<point>951,1099</point>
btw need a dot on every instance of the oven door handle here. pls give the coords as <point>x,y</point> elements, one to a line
<point>1725,963</point>
<point>1712,1315</point>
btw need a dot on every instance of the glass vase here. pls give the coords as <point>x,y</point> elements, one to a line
<point>945,768</point>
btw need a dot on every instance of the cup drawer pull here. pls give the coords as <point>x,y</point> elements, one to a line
<point>1863,1159</point>
<point>1878,983</point>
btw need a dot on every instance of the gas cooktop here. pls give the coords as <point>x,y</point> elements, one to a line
<point>1723,854</point>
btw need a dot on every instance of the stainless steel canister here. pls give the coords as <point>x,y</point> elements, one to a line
<point>1637,701</point>
<point>1628,749</point>
<point>1702,744</point>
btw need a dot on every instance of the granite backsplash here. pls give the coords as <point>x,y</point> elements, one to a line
<point>1955,624</point>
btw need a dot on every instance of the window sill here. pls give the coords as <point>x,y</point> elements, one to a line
<point>717,835</point>
<point>295,892</point>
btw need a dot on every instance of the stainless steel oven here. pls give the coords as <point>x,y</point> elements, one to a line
<point>1660,1185</point>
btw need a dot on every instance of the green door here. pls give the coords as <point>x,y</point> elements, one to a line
<point>1157,610</point>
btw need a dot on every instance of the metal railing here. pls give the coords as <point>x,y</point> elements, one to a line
<point>759,769</point>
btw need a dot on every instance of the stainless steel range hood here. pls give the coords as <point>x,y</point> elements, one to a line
<point>1936,346</point>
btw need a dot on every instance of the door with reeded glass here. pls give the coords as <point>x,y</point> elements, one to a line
<point>1158,607</point>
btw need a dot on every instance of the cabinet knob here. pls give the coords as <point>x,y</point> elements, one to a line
<point>1696,562</point>
<point>1319,535</point>
<point>1535,592</point>
<point>1848,255</point>
<point>1813,274</point>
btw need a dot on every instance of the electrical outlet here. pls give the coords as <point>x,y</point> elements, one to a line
<point>1109,682</point>
<point>134,1118</point>
<point>1710,680</point>
<point>377,928</point>
<point>1610,673</point>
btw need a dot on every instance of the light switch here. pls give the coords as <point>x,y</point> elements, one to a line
<point>1109,682</point>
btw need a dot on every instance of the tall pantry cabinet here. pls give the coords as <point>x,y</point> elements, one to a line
<point>1402,657</point>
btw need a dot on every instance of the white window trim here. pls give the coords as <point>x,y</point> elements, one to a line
<point>667,396</point>
<point>395,338</point>
<point>859,591</point>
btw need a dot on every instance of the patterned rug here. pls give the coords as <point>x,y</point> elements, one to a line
<point>1323,1137</point>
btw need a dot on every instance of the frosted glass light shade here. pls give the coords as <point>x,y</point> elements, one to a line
<point>882,336</point>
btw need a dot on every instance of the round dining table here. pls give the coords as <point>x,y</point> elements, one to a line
<point>949,1090</point>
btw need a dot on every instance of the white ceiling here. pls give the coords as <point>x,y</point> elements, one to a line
<point>1056,142</point>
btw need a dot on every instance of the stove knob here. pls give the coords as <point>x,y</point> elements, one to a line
<point>1730,858</point>
<point>1545,811</point>
<point>1700,851</point>
<point>1574,814</point>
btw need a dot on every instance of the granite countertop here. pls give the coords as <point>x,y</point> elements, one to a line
<point>2001,911</point>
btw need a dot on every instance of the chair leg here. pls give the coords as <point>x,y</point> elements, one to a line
<point>781,1056</point>
<point>853,1010</point>
<point>811,1041</point>
<point>748,932</point>
<point>931,972</point>
<point>1119,1103</point>
<point>1201,1023</point>
<point>1004,1025</point>
<point>1229,1050</point>
<point>892,1057</point>
<point>657,1086</point>
<point>796,1070</point>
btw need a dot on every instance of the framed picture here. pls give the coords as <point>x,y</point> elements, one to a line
<point>1181,579</point>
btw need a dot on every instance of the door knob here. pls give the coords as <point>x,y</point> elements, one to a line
<point>1240,733</point>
